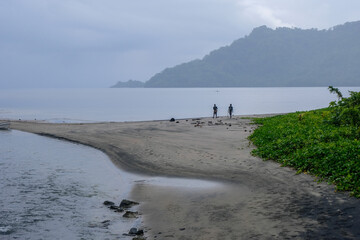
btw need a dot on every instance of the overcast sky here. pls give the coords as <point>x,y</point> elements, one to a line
<point>96,43</point>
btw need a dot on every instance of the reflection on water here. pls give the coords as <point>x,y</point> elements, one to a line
<point>55,190</point>
<point>52,189</point>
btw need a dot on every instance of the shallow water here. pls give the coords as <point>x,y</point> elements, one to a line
<point>51,189</point>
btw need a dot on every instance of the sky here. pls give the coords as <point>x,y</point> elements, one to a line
<point>96,43</point>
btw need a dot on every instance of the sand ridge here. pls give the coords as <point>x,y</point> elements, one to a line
<point>259,200</point>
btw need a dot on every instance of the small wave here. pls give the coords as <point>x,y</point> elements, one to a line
<point>6,230</point>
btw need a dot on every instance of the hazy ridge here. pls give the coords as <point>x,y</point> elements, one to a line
<point>284,57</point>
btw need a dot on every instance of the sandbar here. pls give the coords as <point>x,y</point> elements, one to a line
<point>257,199</point>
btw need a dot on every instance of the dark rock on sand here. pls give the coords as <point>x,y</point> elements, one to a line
<point>139,238</point>
<point>130,214</point>
<point>127,203</point>
<point>109,203</point>
<point>172,120</point>
<point>117,209</point>
<point>135,231</point>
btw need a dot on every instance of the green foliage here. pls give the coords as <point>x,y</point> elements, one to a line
<point>336,91</point>
<point>346,111</point>
<point>310,142</point>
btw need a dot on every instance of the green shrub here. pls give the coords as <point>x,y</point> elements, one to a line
<point>347,110</point>
<point>324,142</point>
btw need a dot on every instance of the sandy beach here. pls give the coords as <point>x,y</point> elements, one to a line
<point>255,199</point>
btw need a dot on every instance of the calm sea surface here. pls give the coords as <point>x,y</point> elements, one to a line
<point>52,189</point>
<point>82,105</point>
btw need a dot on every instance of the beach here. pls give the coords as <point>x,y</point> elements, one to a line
<point>255,199</point>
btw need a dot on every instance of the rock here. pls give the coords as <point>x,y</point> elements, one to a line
<point>133,231</point>
<point>172,120</point>
<point>117,209</point>
<point>109,203</point>
<point>181,229</point>
<point>139,238</point>
<point>127,203</point>
<point>130,214</point>
<point>177,121</point>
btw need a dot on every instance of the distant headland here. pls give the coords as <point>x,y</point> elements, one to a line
<point>281,57</point>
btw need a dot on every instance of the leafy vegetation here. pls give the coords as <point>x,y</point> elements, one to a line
<point>324,142</point>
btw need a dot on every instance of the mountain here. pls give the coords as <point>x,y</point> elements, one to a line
<point>284,57</point>
<point>129,84</point>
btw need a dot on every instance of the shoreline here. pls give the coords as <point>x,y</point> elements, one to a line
<point>127,160</point>
<point>259,199</point>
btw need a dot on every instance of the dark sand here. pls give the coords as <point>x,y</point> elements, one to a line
<point>257,199</point>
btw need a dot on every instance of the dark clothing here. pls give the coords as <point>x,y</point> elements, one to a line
<point>231,109</point>
<point>215,111</point>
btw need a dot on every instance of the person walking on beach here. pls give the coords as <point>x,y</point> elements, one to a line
<point>231,109</point>
<point>215,108</point>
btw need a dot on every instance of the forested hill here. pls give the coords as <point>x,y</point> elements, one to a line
<point>272,58</point>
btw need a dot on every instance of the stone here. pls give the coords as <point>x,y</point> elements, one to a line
<point>109,203</point>
<point>172,120</point>
<point>133,231</point>
<point>139,238</point>
<point>130,214</point>
<point>116,209</point>
<point>127,203</point>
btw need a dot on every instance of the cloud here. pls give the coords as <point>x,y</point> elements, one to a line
<point>91,43</point>
<point>262,14</point>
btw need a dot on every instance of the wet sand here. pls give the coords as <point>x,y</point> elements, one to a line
<point>257,199</point>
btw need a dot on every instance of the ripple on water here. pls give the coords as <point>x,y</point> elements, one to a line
<point>53,189</point>
<point>4,230</point>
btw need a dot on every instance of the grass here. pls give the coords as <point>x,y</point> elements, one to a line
<point>310,142</point>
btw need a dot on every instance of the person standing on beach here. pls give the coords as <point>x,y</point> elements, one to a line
<point>215,108</point>
<point>231,109</point>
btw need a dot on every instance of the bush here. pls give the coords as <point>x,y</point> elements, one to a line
<point>324,142</point>
<point>347,110</point>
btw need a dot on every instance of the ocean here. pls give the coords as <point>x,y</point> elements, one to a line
<point>51,189</point>
<point>126,104</point>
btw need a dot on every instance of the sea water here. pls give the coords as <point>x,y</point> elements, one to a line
<point>51,189</point>
<point>126,104</point>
